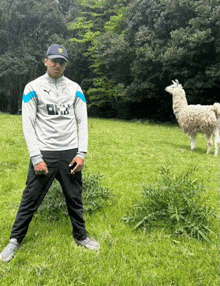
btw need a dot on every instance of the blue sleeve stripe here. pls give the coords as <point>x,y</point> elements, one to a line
<point>81,96</point>
<point>29,96</point>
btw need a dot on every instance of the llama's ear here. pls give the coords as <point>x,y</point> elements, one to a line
<point>177,81</point>
<point>173,81</point>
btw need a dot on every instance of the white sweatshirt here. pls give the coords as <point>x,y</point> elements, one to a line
<point>54,117</point>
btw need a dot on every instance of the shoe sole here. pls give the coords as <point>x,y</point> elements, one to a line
<point>87,247</point>
<point>7,259</point>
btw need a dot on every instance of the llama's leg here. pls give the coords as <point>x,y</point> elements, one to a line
<point>219,130</point>
<point>209,143</point>
<point>216,141</point>
<point>193,142</point>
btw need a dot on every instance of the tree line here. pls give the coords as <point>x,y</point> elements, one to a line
<point>122,52</point>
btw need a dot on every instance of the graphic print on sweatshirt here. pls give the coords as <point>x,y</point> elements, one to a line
<point>61,109</point>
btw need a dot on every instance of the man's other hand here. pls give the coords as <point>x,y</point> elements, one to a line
<point>78,162</point>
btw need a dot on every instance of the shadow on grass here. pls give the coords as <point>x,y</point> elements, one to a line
<point>186,148</point>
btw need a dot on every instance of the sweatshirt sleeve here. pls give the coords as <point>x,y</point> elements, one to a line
<point>29,110</point>
<point>80,109</point>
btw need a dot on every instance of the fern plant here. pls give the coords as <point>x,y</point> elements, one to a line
<point>175,201</point>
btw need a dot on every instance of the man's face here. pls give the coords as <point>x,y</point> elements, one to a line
<point>55,67</point>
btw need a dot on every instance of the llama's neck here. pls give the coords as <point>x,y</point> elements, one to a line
<point>179,101</point>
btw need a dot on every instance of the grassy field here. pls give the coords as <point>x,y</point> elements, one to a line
<point>128,154</point>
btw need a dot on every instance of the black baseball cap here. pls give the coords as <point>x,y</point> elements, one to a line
<point>57,51</point>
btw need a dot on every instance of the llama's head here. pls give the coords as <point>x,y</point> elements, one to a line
<point>179,97</point>
<point>176,87</point>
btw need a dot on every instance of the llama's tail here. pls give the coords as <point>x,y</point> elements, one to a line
<point>216,109</point>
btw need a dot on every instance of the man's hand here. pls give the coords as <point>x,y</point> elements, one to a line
<point>41,169</point>
<point>79,165</point>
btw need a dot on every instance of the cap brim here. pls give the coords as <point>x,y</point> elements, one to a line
<point>57,57</point>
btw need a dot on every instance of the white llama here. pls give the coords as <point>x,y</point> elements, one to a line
<point>195,118</point>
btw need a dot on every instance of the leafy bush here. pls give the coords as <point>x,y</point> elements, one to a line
<point>94,197</point>
<point>175,201</point>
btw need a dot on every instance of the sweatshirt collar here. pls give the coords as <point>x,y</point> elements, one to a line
<point>54,80</point>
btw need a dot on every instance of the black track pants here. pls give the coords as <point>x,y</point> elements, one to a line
<point>37,187</point>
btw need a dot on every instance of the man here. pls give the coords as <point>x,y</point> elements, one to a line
<point>54,119</point>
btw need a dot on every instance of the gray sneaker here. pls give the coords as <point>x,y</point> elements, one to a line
<point>88,243</point>
<point>8,253</point>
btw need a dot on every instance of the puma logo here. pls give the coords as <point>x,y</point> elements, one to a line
<point>47,91</point>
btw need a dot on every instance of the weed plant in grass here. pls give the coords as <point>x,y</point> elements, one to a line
<point>176,202</point>
<point>94,197</point>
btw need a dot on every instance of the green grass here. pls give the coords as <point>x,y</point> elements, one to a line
<point>128,154</point>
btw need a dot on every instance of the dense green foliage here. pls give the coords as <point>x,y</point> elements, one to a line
<point>122,52</point>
